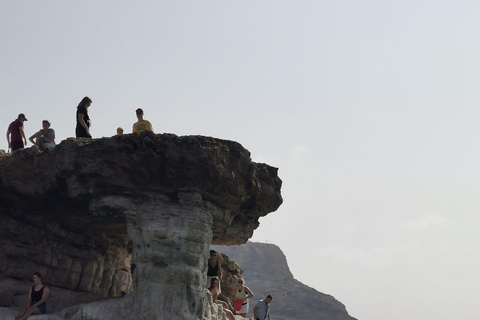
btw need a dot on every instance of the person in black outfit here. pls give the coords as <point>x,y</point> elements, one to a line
<point>82,129</point>
<point>214,268</point>
<point>37,296</point>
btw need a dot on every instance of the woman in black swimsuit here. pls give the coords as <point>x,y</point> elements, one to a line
<point>37,296</point>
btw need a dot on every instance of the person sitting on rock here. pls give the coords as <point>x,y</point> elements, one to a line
<point>119,131</point>
<point>45,138</point>
<point>37,297</point>
<point>141,125</point>
<point>241,293</point>
<point>215,291</point>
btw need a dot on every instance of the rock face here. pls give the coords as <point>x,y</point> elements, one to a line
<point>266,271</point>
<point>86,211</point>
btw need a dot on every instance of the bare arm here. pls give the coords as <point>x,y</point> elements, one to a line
<point>250,294</point>
<point>255,312</point>
<point>29,300</point>
<point>31,138</point>
<point>50,138</point>
<point>8,138</point>
<point>22,134</point>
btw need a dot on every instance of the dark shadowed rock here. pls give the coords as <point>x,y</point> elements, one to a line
<point>82,213</point>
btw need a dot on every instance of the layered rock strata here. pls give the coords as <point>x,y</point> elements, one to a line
<point>85,212</point>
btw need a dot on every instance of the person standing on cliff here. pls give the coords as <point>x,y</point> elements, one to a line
<point>15,133</point>
<point>82,130</point>
<point>262,309</point>
<point>37,297</point>
<point>214,268</point>
<point>141,125</point>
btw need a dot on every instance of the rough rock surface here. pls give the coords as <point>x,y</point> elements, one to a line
<point>266,271</point>
<point>82,213</point>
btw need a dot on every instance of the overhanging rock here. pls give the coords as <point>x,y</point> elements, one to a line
<point>85,211</point>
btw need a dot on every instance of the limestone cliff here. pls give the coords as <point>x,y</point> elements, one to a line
<point>82,213</point>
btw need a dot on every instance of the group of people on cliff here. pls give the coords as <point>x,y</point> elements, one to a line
<point>45,137</point>
<point>240,295</point>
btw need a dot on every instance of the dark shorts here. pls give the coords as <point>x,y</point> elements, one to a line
<point>17,145</point>
<point>80,132</point>
<point>42,308</point>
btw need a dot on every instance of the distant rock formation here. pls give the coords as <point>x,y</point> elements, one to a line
<point>265,270</point>
<point>86,211</point>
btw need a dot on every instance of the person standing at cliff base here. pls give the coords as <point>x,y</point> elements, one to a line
<point>141,125</point>
<point>44,138</point>
<point>241,294</point>
<point>37,297</point>
<point>15,133</point>
<point>82,130</point>
<point>262,309</point>
<point>214,268</point>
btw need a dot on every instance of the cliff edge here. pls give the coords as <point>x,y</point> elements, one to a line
<point>89,214</point>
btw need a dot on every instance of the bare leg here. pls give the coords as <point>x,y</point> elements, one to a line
<point>21,313</point>
<point>223,304</point>
<point>229,315</point>
<point>37,144</point>
<point>29,312</point>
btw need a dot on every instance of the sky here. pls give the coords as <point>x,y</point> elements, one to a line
<point>368,108</point>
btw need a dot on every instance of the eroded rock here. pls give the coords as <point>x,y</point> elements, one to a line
<point>82,213</point>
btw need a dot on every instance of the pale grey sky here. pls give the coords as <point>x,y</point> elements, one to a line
<point>369,109</point>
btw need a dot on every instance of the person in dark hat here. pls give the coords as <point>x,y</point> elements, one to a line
<point>141,125</point>
<point>15,135</point>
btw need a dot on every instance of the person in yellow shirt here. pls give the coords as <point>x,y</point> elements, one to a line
<point>141,125</point>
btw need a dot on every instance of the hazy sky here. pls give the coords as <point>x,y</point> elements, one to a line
<point>369,108</point>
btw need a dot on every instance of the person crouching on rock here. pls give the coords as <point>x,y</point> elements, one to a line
<point>215,291</point>
<point>37,297</point>
<point>241,294</point>
<point>44,138</point>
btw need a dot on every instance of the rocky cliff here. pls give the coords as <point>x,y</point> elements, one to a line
<point>265,270</point>
<point>91,213</point>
